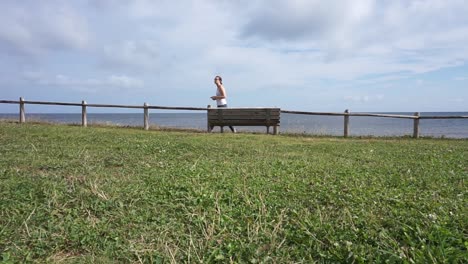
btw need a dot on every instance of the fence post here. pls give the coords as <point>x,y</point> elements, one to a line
<point>84,118</point>
<point>207,119</point>
<point>346,123</point>
<point>146,116</point>
<point>416,125</point>
<point>22,117</point>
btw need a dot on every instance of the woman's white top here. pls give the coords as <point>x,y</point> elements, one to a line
<point>220,101</point>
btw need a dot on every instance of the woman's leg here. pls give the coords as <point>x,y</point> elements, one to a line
<point>231,127</point>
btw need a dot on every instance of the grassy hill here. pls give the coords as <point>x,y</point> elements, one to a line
<point>106,195</point>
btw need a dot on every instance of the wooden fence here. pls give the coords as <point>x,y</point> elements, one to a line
<point>346,114</point>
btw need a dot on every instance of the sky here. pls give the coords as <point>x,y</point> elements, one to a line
<point>305,55</point>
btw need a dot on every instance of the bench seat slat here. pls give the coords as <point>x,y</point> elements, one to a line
<point>247,124</point>
<point>245,109</point>
<point>251,121</point>
<point>214,115</point>
<point>226,113</point>
<point>246,117</point>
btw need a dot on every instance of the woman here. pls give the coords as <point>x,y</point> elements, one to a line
<point>220,96</point>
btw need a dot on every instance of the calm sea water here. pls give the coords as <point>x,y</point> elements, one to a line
<point>317,125</point>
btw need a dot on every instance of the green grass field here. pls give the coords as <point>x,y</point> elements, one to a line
<point>105,195</point>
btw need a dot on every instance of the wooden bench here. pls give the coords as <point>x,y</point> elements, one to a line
<point>269,117</point>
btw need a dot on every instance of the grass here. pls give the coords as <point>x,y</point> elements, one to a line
<point>107,195</point>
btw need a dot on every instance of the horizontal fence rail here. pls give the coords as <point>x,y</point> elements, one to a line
<point>105,105</point>
<point>443,117</point>
<point>346,114</point>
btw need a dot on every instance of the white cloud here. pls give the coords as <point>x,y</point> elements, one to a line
<point>123,81</point>
<point>340,40</point>
<point>139,9</point>
<point>417,35</point>
<point>88,84</point>
<point>303,19</point>
<point>38,27</point>
<point>364,98</point>
<point>143,54</point>
<point>331,37</point>
<point>457,100</point>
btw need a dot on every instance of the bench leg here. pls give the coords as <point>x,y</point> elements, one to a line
<point>268,129</point>
<point>275,130</point>
<point>222,129</point>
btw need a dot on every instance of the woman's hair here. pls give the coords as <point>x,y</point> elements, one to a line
<point>220,79</point>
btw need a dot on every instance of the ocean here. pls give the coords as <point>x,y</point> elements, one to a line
<point>290,123</point>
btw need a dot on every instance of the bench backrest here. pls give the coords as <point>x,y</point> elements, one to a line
<point>244,116</point>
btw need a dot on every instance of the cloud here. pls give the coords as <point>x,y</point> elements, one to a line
<point>457,100</point>
<point>111,82</point>
<point>53,25</point>
<point>163,10</point>
<point>303,19</point>
<point>403,32</point>
<point>123,81</point>
<point>364,98</point>
<point>142,54</point>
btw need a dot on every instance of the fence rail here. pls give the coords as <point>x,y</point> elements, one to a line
<point>104,105</point>
<point>346,114</point>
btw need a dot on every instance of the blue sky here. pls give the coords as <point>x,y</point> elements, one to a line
<point>312,55</point>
